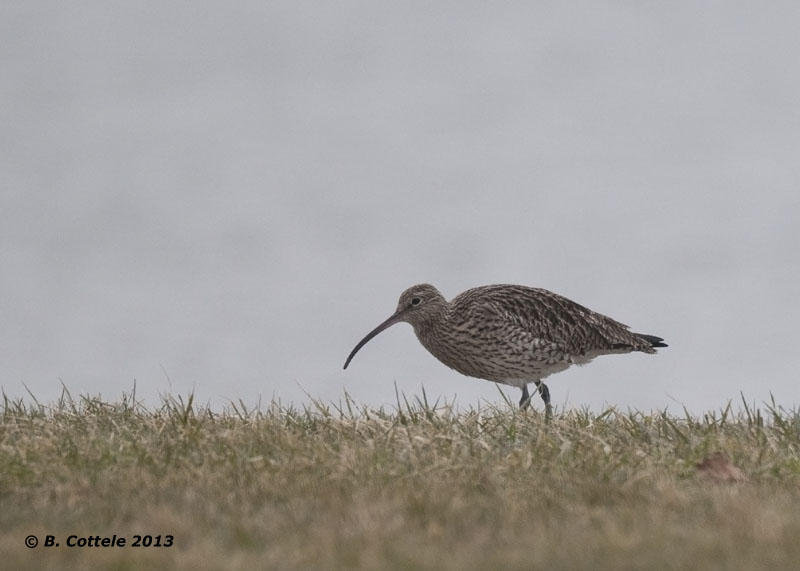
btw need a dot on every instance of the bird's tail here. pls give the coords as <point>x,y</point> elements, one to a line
<point>653,340</point>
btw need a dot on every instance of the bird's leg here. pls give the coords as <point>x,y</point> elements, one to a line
<point>545,392</point>
<point>525,401</point>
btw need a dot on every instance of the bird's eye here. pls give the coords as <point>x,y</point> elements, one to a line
<point>416,301</point>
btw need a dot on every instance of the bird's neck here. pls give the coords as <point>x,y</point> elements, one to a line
<point>431,328</point>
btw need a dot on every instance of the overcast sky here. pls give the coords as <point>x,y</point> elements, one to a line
<point>225,197</point>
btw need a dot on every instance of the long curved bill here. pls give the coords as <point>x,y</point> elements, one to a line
<point>397,317</point>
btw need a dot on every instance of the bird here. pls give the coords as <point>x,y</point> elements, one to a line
<point>510,334</point>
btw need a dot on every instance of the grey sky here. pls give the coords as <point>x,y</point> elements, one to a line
<point>236,194</point>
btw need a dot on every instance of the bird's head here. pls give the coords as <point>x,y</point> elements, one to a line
<point>416,305</point>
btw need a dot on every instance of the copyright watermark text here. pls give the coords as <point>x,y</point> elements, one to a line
<point>115,540</point>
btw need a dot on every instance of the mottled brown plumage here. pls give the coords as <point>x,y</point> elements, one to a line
<point>510,334</point>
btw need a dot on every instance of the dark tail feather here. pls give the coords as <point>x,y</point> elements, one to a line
<point>653,340</point>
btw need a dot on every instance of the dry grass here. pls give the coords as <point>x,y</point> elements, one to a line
<point>417,487</point>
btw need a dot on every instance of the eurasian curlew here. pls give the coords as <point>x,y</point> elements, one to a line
<point>510,334</point>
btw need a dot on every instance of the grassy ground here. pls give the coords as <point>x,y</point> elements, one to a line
<point>417,487</point>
